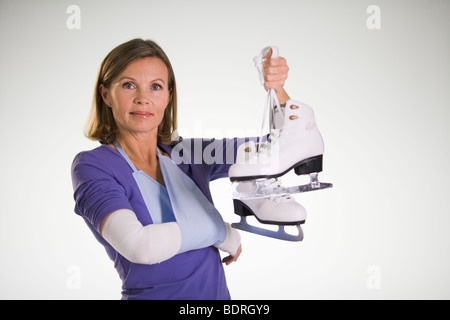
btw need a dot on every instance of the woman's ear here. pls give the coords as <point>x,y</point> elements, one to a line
<point>105,95</point>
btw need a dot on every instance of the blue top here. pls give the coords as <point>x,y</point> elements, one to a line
<point>103,183</point>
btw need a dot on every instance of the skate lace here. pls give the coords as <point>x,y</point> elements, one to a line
<point>270,186</point>
<point>271,100</point>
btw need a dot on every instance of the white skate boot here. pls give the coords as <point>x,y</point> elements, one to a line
<point>296,145</point>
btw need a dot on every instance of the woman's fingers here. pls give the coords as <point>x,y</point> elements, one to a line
<point>275,73</point>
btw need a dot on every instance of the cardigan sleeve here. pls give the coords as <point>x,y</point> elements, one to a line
<point>96,192</point>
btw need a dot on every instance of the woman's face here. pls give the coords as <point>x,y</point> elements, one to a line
<point>139,96</point>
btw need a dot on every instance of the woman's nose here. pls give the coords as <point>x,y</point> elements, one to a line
<point>141,97</point>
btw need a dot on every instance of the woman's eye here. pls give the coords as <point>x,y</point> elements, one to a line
<point>128,85</point>
<point>156,86</point>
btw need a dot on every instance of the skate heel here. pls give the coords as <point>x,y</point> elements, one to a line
<point>241,209</point>
<point>310,165</point>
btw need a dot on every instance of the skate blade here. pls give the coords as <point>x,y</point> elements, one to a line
<point>281,234</point>
<point>261,192</point>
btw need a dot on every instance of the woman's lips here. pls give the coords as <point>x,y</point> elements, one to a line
<point>141,114</point>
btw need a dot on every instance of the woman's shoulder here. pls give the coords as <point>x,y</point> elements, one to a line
<point>100,154</point>
<point>103,158</point>
<point>101,163</point>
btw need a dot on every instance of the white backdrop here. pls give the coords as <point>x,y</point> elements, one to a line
<point>381,98</point>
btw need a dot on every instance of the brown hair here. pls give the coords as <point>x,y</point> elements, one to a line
<point>101,125</point>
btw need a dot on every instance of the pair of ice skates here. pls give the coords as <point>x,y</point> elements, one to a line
<point>295,143</point>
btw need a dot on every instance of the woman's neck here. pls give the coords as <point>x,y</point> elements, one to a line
<point>140,148</point>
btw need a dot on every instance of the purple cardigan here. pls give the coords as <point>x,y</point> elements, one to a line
<point>103,182</point>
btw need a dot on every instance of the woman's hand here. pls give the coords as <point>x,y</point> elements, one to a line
<point>275,71</point>
<point>230,259</point>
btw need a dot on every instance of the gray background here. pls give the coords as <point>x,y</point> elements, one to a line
<point>381,99</point>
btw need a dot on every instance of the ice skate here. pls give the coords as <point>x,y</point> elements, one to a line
<point>294,142</point>
<point>276,210</point>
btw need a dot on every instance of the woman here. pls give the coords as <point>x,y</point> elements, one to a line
<point>155,218</point>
